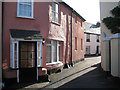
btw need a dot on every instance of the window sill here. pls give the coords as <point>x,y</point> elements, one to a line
<point>54,63</point>
<point>25,17</point>
<point>55,23</point>
<point>14,68</point>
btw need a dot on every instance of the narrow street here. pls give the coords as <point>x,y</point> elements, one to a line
<point>85,74</point>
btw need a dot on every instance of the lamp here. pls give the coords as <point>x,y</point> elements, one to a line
<point>43,42</point>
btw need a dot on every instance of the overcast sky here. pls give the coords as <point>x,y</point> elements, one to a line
<point>88,9</point>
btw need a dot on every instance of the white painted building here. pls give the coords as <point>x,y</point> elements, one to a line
<point>92,39</point>
<point>110,52</point>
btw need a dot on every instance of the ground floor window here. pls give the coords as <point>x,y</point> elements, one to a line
<point>87,49</point>
<point>53,51</point>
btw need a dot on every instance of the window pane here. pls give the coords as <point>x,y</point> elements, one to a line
<point>31,63</point>
<point>23,63</point>
<point>48,42</point>
<point>25,8</point>
<point>60,53</point>
<point>48,58</point>
<point>54,51</point>
<point>56,18</point>
<point>53,16</point>
<point>55,12</point>
<point>31,55</point>
<point>23,47</point>
<point>53,6</point>
<point>23,55</point>
<point>57,8</point>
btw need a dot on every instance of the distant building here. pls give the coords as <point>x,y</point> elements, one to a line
<point>92,39</point>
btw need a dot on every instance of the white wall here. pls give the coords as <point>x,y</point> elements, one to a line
<point>105,8</point>
<point>93,44</point>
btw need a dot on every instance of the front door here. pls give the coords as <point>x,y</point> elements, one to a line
<point>27,61</point>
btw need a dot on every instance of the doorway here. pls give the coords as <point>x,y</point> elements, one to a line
<point>27,61</point>
<point>97,51</point>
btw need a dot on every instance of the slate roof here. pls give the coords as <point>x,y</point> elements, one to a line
<point>31,34</point>
<point>91,28</point>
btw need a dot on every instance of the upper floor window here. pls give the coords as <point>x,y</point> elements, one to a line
<point>81,23</point>
<point>25,8</point>
<point>88,37</point>
<point>81,44</point>
<point>55,12</point>
<point>75,43</point>
<point>75,19</point>
<point>97,38</point>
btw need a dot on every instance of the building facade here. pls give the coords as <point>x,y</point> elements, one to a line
<point>92,39</point>
<point>110,53</point>
<point>37,40</point>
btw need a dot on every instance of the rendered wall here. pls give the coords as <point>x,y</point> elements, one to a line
<point>11,21</point>
<point>105,8</point>
<point>78,32</point>
<point>105,59</point>
<point>41,22</point>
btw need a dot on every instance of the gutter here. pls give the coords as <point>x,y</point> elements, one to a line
<point>71,63</point>
<point>2,29</point>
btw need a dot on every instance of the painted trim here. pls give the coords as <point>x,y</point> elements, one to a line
<point>17,76</point>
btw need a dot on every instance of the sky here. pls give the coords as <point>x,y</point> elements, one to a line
<point>88,9</point>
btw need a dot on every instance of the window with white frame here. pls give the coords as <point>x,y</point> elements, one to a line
<point>55,12</point>
<point>75,43</point>
<point>39,54</point>
<point>75,19</point>
<point>88,37</point>
<point>25,8</point>
<point>14,54</point>
<point>53,51</point>
<point>97,38</point>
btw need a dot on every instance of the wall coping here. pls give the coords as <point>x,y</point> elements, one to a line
<point>114,36</point>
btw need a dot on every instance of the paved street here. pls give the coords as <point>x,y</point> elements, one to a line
<point>85,74</point>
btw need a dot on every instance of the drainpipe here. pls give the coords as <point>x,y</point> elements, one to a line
<point>1,46</point>
<point>71,63</point>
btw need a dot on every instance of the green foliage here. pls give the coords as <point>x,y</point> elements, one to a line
<point>116,12</point>
<point>113,23</point>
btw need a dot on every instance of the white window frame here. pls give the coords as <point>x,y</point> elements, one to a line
<point>52,55</point>
<point>75,18</point>
<point>12,60</point>
<point>18,15</point>
<point>40,64</point>
<point>55,13</point>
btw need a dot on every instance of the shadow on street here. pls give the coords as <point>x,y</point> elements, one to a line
<point>96,78</point>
